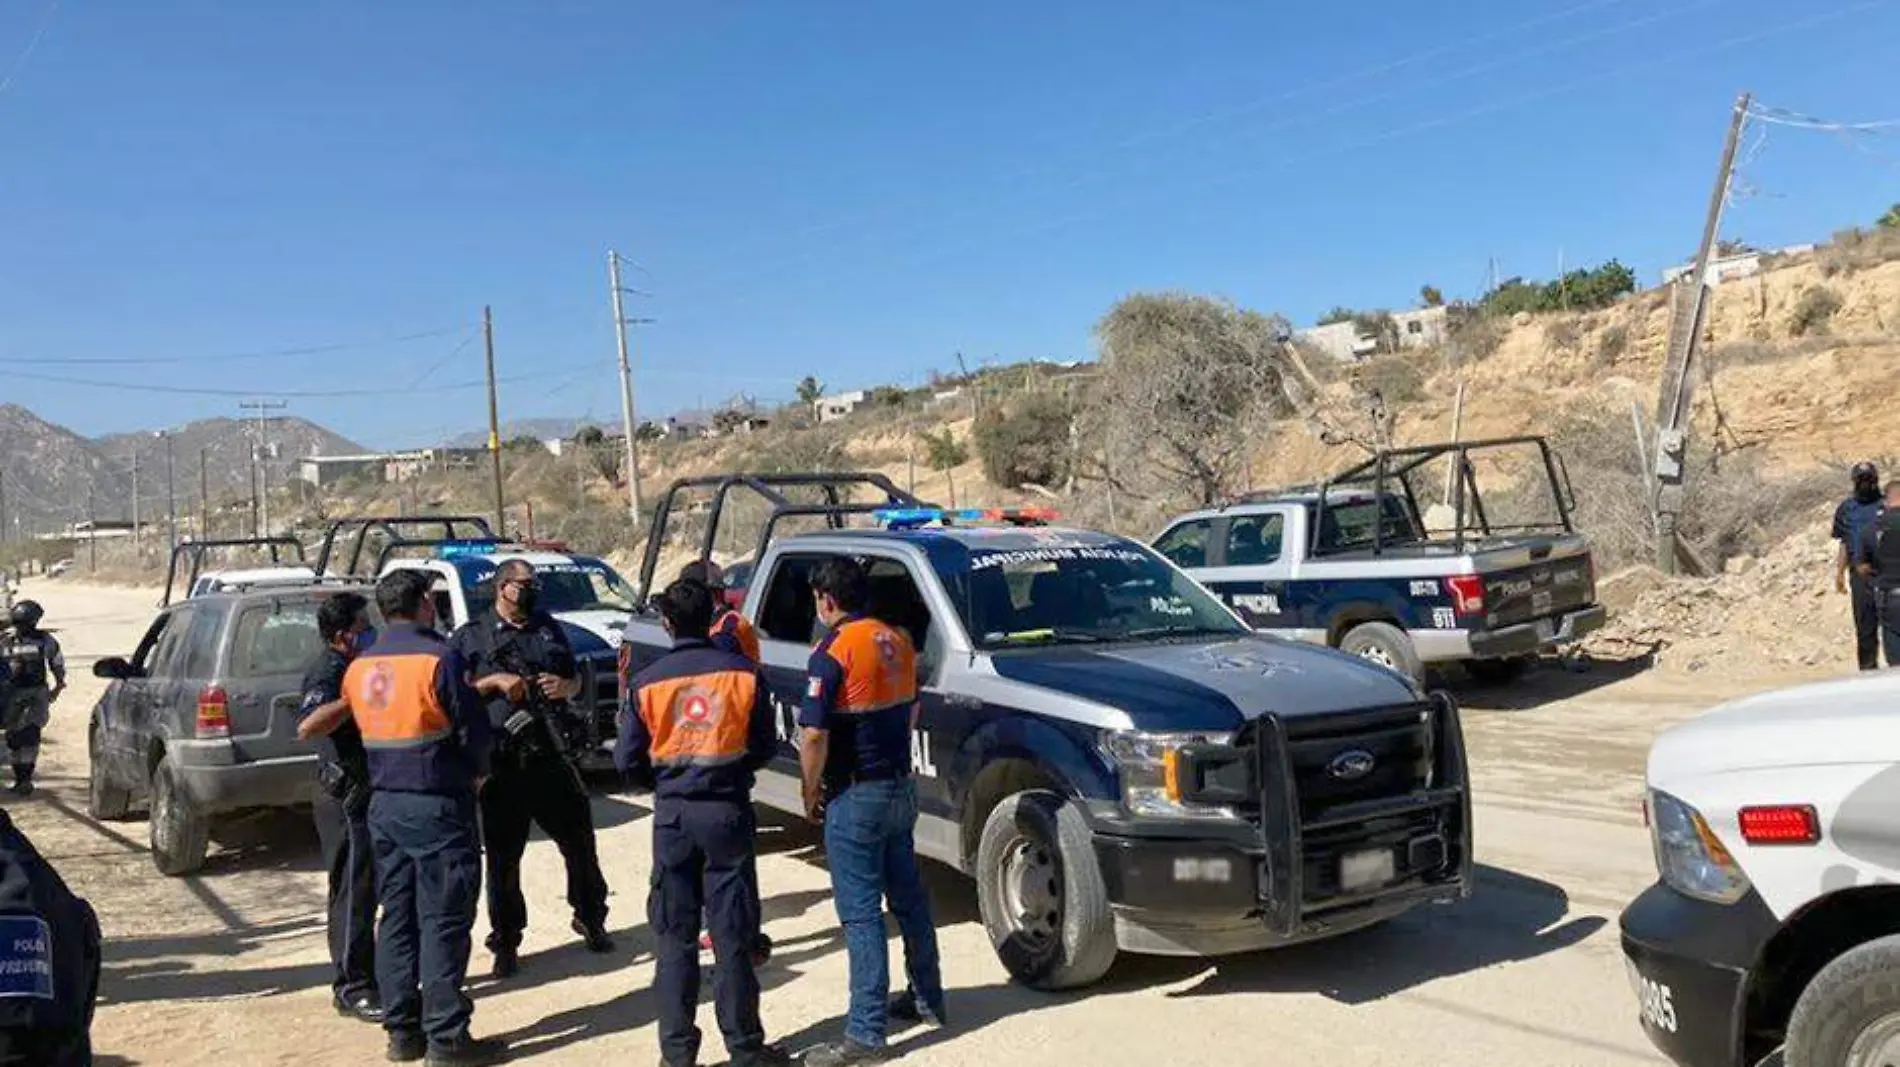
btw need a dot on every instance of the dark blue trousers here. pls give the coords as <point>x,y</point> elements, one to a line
<point>703,858</point>
<point>429,878</point>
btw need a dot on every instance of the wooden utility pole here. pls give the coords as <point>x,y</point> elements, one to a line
<point>260,464</point>
<point>138,534</point>
<point>1675,401</point>
<point>204,498</point>
<point>494,421</point>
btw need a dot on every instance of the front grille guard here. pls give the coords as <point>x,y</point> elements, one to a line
<point>1256,775</point>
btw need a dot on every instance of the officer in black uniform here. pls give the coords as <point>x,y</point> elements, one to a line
<point>510,649</point>
<point>34,659</point>
<point>698,724</point>
<point>1853,520</point>
<point>1877,562</point>
<point>341,808</point>
<point>49,961</point>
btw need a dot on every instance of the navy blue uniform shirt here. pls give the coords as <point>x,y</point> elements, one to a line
<point>1852,520</point>
<point>540,642</point>
<point>698,720</point>
<point>422,724</point>
<point>322,685</point>
<point>862,690</point>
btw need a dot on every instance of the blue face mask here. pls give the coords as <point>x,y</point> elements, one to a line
<point>363,641</point>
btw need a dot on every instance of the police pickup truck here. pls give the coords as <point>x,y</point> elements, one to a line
<point>1352,564</point>
<point>1773,929</point>
<point>461,553</point>
<point>1118,761</point>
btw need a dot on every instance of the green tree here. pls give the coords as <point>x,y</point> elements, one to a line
<point>648,431</point>
<point>944,453</point>
<point>1891,220</point>
<point>590,437</point>
<point>1025,442</point>
<point>1430,296</point>
<point>809,390</point>
<point>1338,314</point>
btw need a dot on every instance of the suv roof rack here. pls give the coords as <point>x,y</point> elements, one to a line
<point>835,509</point>
<point>192,553</point>
<point>1400,463</point>
<point>396,528</point>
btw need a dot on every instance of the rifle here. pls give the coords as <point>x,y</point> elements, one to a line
<point>540,727</point>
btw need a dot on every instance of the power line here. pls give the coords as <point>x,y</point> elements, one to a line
<point>296,394</point>
<point>231,357</point>
<point>32,45</point>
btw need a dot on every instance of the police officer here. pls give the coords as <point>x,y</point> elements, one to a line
<point>34,658</point>
<point>859,710</point>
<point>513,649</point>
<point>1852,520</point>
<point>730,630</point>
<point>427,743</point>
<point>49,961</point>
<point>341,808</point>
<point>699,724</point>
<point>1877,562</point>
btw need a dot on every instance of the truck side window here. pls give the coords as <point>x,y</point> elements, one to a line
<point>896,600</point>
<point>1186,544</point>
<point>788,612</point>
<point>1254,540</point>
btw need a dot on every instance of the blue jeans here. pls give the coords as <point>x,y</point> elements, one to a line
<point>869,846</point>
<point>429,877</point>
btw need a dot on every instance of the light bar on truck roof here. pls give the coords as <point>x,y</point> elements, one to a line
<point>464,549</point>
<point>911,518</point>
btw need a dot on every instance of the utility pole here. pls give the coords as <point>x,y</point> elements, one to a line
<point>3,504</point>
<point>621,322</point>
<point>1674,404</point>
<point>138,532</point>
<point>171,495</point>
<point>260,464</point>
<point>92,532</point>
<point>494,421</point>
<point>204,498</point>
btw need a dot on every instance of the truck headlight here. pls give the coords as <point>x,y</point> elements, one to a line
<point>1689,858</point>
<point>1146,763</point>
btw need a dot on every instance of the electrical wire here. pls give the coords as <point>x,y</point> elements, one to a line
<point>295,394</point>
<point>233,357</point>
<point>32,45</point>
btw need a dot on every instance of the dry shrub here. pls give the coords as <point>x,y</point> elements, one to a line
<point>1474,339</point>
<point>1613,342</point>
<point>1563,334</point>
<point>1858,249</point>
<point>1397,379</point>
<point>1814,311</point>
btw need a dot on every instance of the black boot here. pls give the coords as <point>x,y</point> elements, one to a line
<point>22,779</point>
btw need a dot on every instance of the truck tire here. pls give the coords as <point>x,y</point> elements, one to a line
<point>180,835</point>
<point>104,800</point>
<point>1386,645</point>
<point>1855,999</point>
<point>1497,671</point>
<point>1041,894</point>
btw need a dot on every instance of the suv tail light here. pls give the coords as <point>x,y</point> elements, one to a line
<point>1780,824</point>
<point>214,716</point>
<point>1467,591</point>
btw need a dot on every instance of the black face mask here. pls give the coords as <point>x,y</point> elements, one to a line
<point>525,599</point>
<point>1866,492</point>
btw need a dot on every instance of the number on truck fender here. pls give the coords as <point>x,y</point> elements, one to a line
<point>1659,1009</point>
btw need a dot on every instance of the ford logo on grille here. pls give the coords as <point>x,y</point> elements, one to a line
<point>1351,765</point>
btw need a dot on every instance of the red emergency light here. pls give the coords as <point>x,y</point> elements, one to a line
<point>1780,824</point>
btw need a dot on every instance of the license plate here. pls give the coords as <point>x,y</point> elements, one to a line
<point>1359,870</point>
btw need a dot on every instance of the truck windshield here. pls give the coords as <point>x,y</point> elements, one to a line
<point>1348,526</point>
<point>565,587</point>
<point>1084,595</point>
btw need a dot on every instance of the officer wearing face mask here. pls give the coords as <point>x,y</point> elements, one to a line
<point>1852,522</point>
<point>524,670</point>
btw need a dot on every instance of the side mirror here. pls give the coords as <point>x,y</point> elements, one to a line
<point>115,667</point>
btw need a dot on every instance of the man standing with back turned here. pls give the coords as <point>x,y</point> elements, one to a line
<point>1852,520</point>
<point>860,707</point>
<point>427,740</point>
<point>699,722</point>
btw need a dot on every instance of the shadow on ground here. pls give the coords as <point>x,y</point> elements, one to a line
<point>1550,681</point>
<point>1510,918</point>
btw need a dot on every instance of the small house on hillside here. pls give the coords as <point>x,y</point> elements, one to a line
<point>837,407</point>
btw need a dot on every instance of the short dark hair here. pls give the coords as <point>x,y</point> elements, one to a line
<point>842,579</point>
<point>400,594</point>
<point>687,607</point>
<point>339,613</point>
<point>703,572</point>
<point>512,568</point>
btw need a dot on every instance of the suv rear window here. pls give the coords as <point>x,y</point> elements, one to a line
<point>276,637</point>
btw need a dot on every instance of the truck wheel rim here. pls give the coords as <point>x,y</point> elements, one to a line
<point>1032,896</point>
<point>1377,655</point>
<point>1878,1045</point>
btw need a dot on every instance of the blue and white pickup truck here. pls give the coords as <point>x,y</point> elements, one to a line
<point>1351,564</point>
<point>1112,755</point>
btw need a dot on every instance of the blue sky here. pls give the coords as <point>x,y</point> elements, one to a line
<point>857,190</point>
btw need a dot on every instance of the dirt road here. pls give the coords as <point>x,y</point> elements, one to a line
<point>228,967</point>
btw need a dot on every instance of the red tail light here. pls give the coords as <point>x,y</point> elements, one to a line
<point>1781,824</point>
<point>214,716</point>
<point>1467,591</point>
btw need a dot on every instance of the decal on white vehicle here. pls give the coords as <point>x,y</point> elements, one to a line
<point>1657,1001</point>
<point>986,559</point>
<point>920,762</point>
<point>1258,603</point>
<point>1424,587</point>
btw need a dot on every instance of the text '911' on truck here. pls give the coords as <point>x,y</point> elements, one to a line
<point>1112,754</point>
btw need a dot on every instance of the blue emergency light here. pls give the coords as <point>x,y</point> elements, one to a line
<point>911,518</point>
<point>465,549</point>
